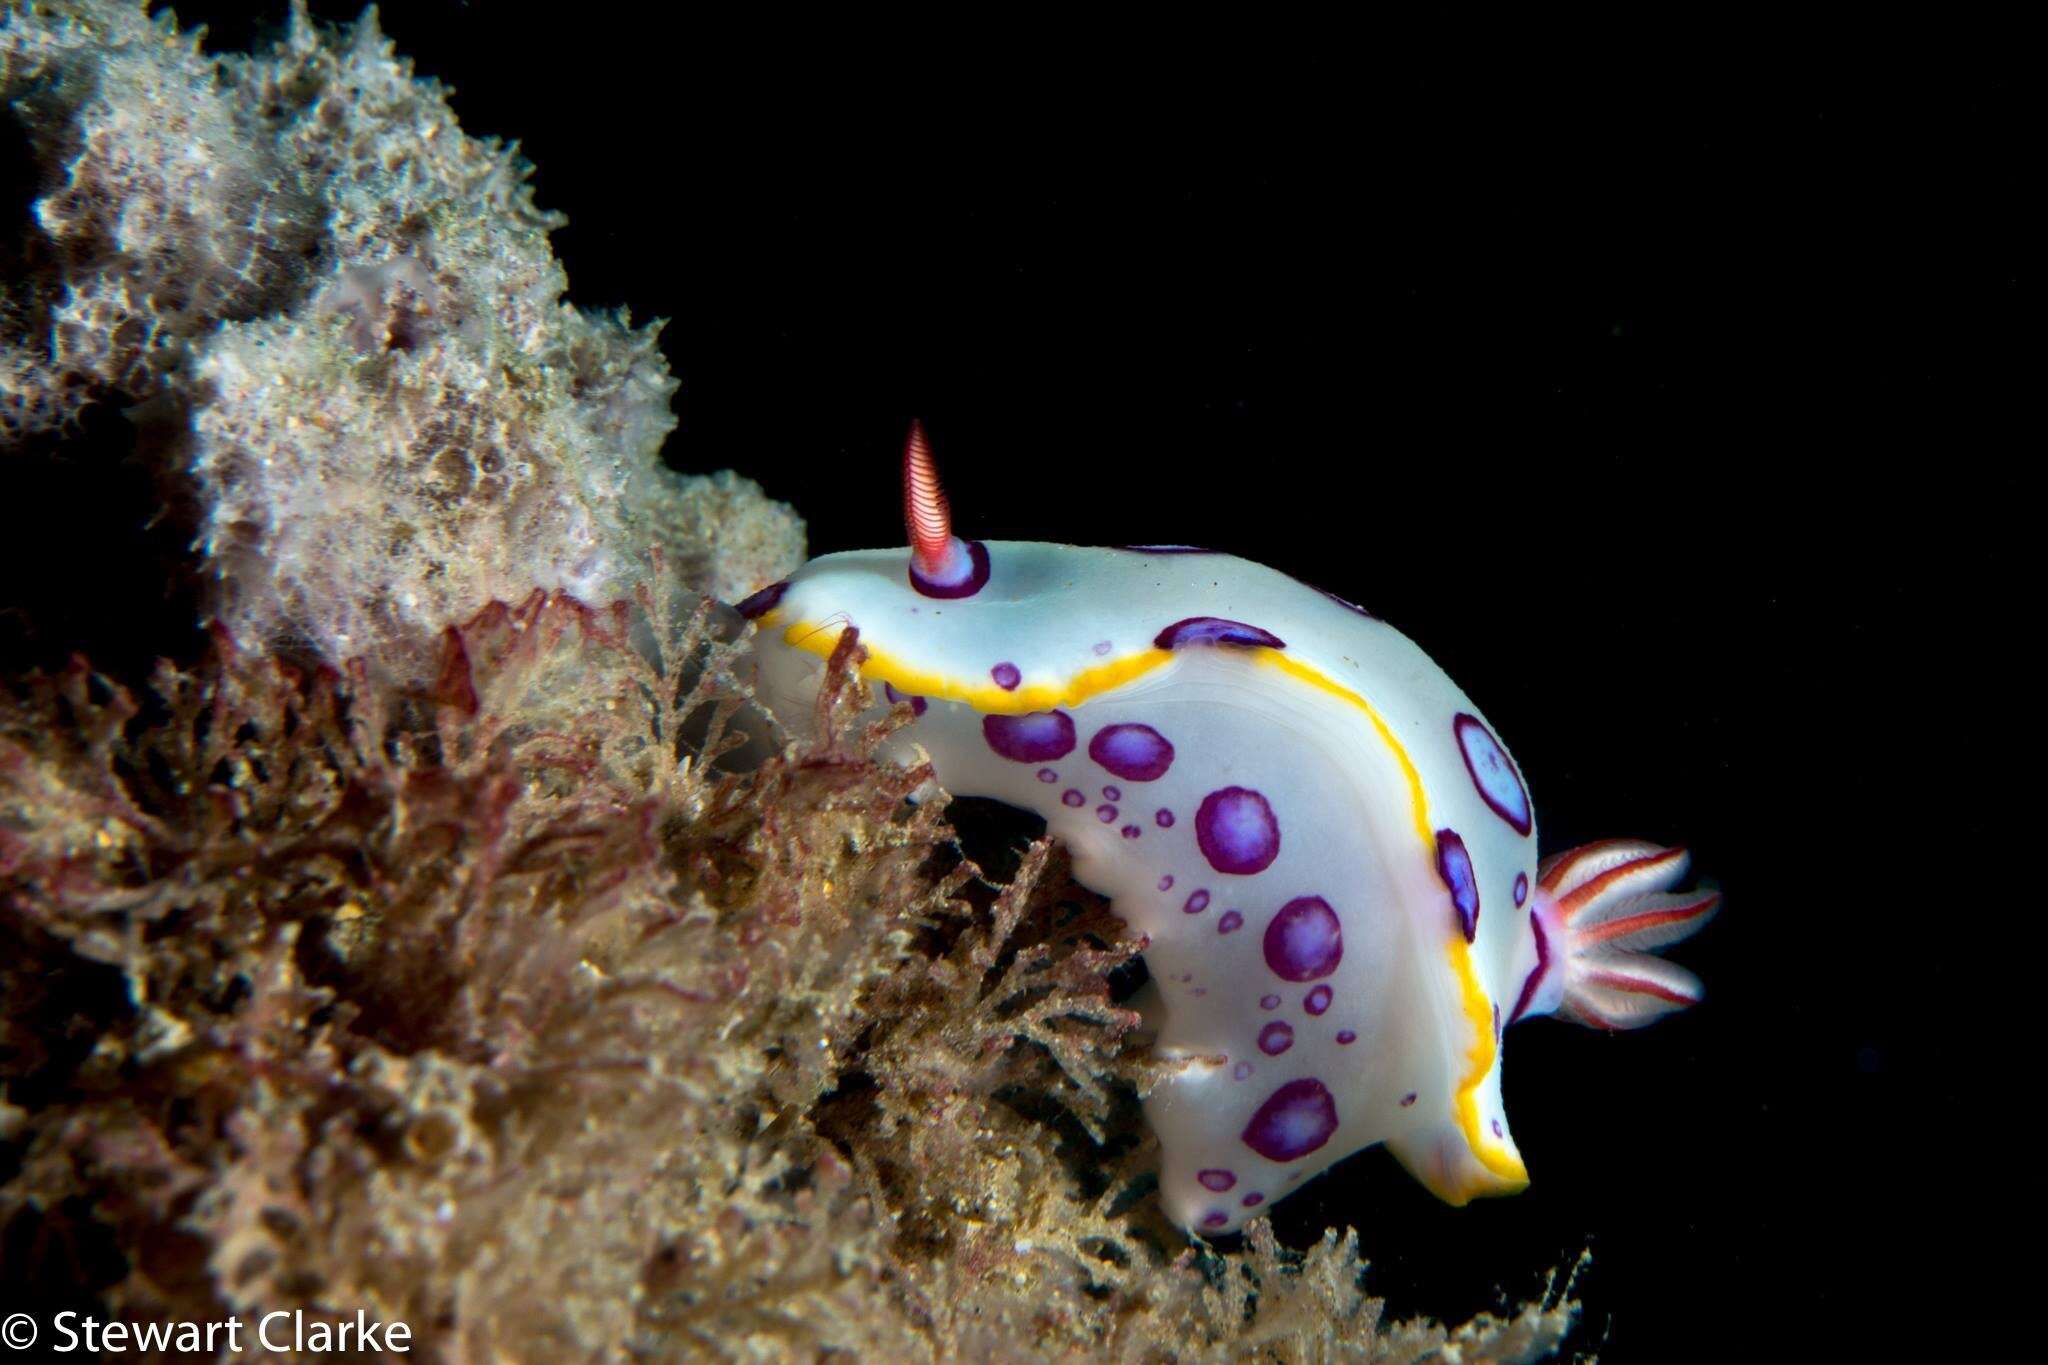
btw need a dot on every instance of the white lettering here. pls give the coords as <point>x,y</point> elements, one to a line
<point>263,1332</point>
<point>398,1337</point>
<point>63,1324</point>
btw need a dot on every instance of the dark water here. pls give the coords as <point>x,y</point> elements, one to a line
<point>1670,414</point>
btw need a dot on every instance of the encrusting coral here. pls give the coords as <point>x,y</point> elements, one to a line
<point>485,966</point>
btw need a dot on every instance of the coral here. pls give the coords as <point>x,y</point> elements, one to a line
<point>395,416</point>
<point>501,1009</point>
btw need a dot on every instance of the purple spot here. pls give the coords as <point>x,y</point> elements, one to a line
<point>1241,1071</point>
<point>1529,986</point>
<point>971,579</point>
<point>1295,1120</point>
<point>1237,832</point>
<point>1254,1199</point>
<point>1072,797</point>
<point>762,602</point>
<point>1521,889</point>
<point>1408,1099</point>
<point>1454,865</point>
<point>916,703</point>
<point>1215,1218</point>
<point>1304,940</point>
<point>1497,1130</point>
<point>1231,922</point>
<point>1496,1021</point>
<point>1217,1180</point>
<point>1136,753</point>
<point>1102,646</point>
<point>1346,1036</point>
<point>1031,738</point>
<point>1131,831</point>
<point>1214,630</point>
<point>1269,1002</point>
<point>1106,814</point>
<point>1318,1000</point>
<point>1166,882</point>
<point>1112,793</point>
<point>1006,675</point>
<point>1493,772</point>
<point>1165,549</point>
<point>1276,1037</point>
<point>1197,903</point>
<point>1047,775</point>
<point>1164,819</point>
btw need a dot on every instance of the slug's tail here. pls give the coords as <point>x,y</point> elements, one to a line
<point>1607,905</point>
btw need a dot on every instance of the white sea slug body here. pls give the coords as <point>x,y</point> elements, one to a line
<point>1330,854</point>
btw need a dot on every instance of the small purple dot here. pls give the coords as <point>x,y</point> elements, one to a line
<point>1102,646</point>
<point>1254,1199</point>
<point>1164,819</point>
<point>1521,888</point>
<point>1408,1099</point>
<point>1106,814</point>
<point>1346,1036</point>
<point>1276,1037</point>
<point>1217,1180</point>
<point>1006,675</point>
<point>1166,882</point>
<point>1454,866</point>
<point>1112,793</point>
<point>1269,1002</point>
<point>1231,922</point>
<point>1131,831</point>
<point>917,704</point>
<point>1497,1129</point>
<point>1241,1071</point>
<point>1197,903</point>
<point>1215,1219</point>
<point>1071,797</point>
<point>1318,1000</point>
<point>1047,775</point>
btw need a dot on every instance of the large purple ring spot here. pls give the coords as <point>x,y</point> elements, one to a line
<point>1033,738</point>
<point>1304,940</point>
<point>1454,865</point>
<point>1136,753</point>
<point>1237,832</point>
<point>1214,630</point>
<point>971,577</point>
<point>761,603</point>
<point>1493,772</point>
<point>1006,676</point>
<point>1317,1000</point>
<point>1295,1120</point>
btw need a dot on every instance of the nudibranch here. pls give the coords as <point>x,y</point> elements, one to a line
<point>1329,853</point>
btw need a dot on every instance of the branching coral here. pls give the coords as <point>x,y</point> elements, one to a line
<point>498,1009</point>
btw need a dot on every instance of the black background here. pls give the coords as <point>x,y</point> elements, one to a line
<point>1664,401</point>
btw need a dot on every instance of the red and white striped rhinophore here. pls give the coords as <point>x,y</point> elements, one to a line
<point>925,512</point>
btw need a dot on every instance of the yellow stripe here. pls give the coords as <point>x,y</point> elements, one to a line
<point>985,697</point>
<point>1472,996</point>
<point>820,639</point>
